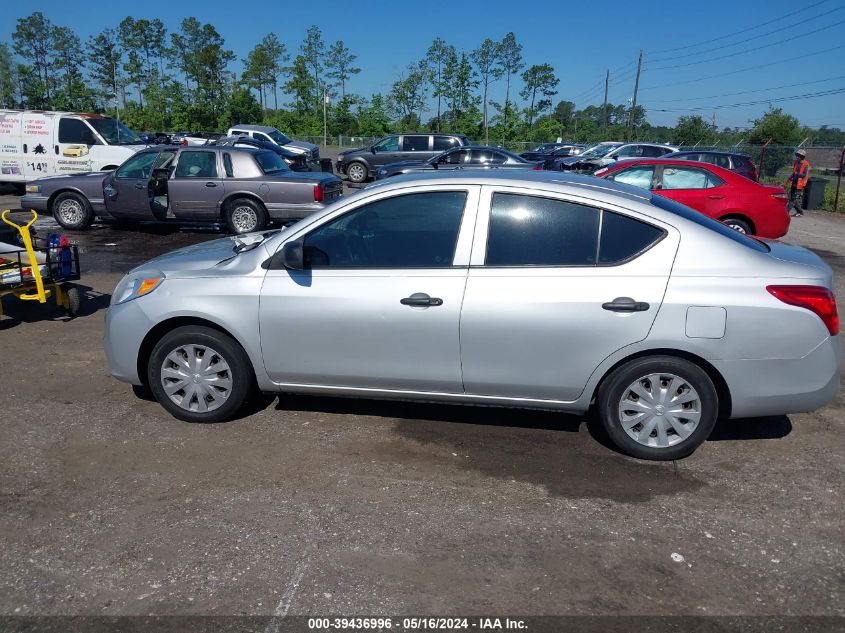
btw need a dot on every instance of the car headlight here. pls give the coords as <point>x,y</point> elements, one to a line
<point>134,286</point>
<point>340,158</point>
<point>33,188</point>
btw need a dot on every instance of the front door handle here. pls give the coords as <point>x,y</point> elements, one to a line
<point>715,196</point>
<point>421,300</point>
<point>140,185</point>
<point>211,184</point>
<point>625,304</point>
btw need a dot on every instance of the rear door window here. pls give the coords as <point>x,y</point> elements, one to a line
<point>197,164</point>
<point>415,143</point>
<point>487,157</point>
<point>650,151</point>
<point>534,231</point>
<point>688,178</point>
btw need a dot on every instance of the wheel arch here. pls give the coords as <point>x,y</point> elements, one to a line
<point>235,195</point>
<point>160,329</point>
<point>722,389</point>
<point>52,198</point>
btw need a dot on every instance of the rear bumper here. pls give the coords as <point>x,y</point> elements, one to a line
<point>293,211</point>
<point>781,386</point>
<point>37,202</point>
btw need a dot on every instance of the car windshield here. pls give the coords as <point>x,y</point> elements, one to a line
<point>114,132</point>
<point>699,218</point>
<point>597,151</point>
<point>278,137</point>
<point>270,162</point>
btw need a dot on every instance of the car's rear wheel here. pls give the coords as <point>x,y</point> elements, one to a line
<point>357,172</point>
<point>739,225</point>
<point>659,407</point>
<point>245,216</point>
<point>199,374</point>
<point>72,211</point>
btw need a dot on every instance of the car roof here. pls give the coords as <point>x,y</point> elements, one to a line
<point>719,171</point>
<point>515,178</point>
<point>711,151</point>
<point>253,128</point>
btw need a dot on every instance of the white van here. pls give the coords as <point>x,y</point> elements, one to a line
<point>34,144</point>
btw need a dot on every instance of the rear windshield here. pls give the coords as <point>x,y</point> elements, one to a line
<point>699,218</point>
<point>270,162</point>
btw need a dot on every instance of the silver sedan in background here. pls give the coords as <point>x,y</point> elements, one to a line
<point>518,289</point>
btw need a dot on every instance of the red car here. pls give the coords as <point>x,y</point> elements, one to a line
<point>719,193</point>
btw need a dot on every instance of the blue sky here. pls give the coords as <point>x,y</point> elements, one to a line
<point>773,56</point>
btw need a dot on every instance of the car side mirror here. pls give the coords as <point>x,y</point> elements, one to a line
<point>293,255</point>
<point>373,149</point>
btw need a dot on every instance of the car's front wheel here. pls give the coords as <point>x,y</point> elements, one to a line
<point>357,172</point>
<point>199,374</point>
<point>72,211</point>
<point>658,407</point>
<point>245,216</point>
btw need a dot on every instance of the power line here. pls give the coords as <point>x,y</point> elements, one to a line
<point>746,40</point>
<point>743,70</point>
<point>746,30</point>
<point>747,50</point>
<point>808,95</point>
<point>745,92</point>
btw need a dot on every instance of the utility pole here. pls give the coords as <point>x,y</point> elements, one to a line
<point>634,101</point>
<point>325,119</point>
<point>604,108</point>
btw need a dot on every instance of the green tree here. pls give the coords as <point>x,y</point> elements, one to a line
<point>540,86</point>
<point>691,130</point>
<point>242,108</point>
<point>439,55</point>
<point>459,82</point>
<point>277,56</point>
<point>339,65</point>
<point>69,61</point>
<point>300,85</point>
<point>776,126</point>
<point>33,42</point>
<point>374,119</point>
<point>104,61</point>
<point>407,96</point>
<point>8,78</point>
<point>486,60</point>
<point>510,62</point>
<point>258,68</point>
<point>313,49</point>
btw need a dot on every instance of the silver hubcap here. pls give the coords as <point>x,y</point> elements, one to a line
<point>356,172</point>
<point>196,378</point>
<point>245,219</point>
<point>660,410</point>
<point>736,227</point>
<point>71,211</point>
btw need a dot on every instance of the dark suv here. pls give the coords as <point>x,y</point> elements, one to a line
<point>739,163</point>
<point>361,164</point>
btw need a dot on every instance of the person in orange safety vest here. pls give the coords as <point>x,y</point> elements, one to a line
<point>797,181</point>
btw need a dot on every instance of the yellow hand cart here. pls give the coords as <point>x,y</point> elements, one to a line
<point>39,270</point>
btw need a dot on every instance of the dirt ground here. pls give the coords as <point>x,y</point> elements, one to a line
<point>319,506</point>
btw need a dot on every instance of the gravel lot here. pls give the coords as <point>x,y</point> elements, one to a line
<point>323,506</point>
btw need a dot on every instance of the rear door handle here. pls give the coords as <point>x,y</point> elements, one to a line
<point>211,184</point>
<point>421,300</point>
<point>625,304</point>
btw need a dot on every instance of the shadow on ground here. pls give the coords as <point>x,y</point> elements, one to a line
<point>17,311</point>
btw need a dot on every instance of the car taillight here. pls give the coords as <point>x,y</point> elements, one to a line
<point>538,167</point>
<point>184,141</point>
<point>318,193</point>
<point>814,298</point>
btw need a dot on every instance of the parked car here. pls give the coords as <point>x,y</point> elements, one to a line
<point>297,161</point>
<point>549,150</point>
<point>156,138</point>
<point>194,138</point>
<point>360,164</point>
<point>740,163</point>
<point>718,193</point>
<point>272,135</point>
<point>243,187</point>
<point>588,162</point>
<point>467,157</point>
<point>513,288</point>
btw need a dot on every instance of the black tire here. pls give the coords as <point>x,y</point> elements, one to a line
<point>739,225</point>
<point>617,386</point>
<point>72,211</point>
<point>239,373</point>
<point>244,215</point>
<point>356,171</point>
<point>74,300</point>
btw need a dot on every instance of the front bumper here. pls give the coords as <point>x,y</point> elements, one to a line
<point>781,386</point>
<point>126,326</point>
<point>36,202</point>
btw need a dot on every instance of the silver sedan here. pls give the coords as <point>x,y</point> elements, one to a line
<point>524,289</point>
